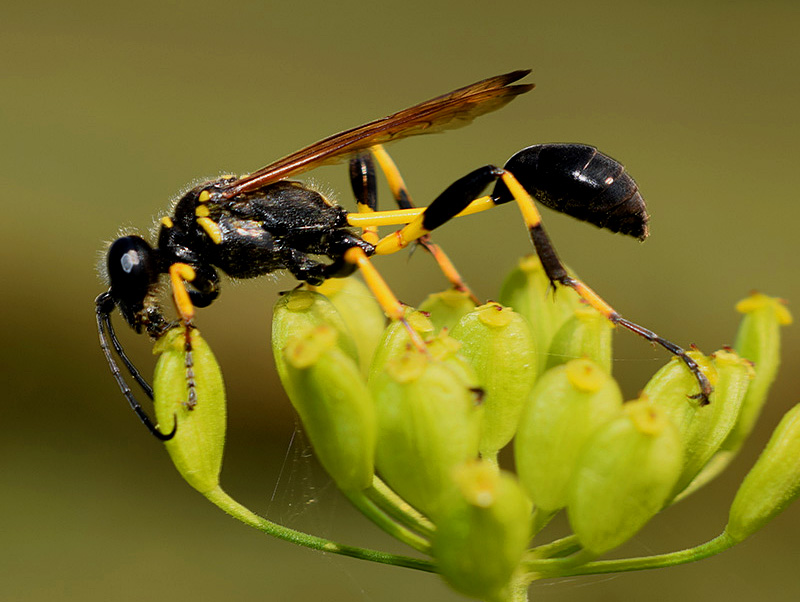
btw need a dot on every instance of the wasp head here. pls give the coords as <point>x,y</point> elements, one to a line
<point>133,271</point>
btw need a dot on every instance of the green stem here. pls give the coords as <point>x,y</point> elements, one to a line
<point>560,547</point>
<point>565,567</point>
<point>369,509</point>
<point>518,588</point>
<point>540,520</point>
<point>399,509</point>
<point>223,501</point>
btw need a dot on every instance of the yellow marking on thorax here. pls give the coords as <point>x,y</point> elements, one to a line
<point>211,228</point>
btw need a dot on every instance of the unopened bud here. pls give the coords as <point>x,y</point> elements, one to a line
<point>444,348</point>
<point>772,484</point>
<point>328,391</point>
<point>567,405</point>
<point>587,333</point>
<point>483,532</point>
<point>428,423</point>
<point>361,313</point>
<point>446,308</point>
<point>701,427</point>
<point>758,340</point>
<point>498,344</point>
<point>528,291</point>
<point>197,447</point>
<point>300,311</point>
<point>624,476</point>
<point>396,339</point>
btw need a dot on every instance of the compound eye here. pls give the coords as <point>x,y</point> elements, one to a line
<point>131,268</point>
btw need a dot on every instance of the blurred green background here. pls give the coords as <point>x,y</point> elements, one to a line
<point>107,110</point>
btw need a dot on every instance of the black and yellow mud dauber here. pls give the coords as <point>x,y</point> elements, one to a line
<point>255,224</point>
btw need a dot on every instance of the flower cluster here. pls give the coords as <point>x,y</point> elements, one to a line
<point>411,436</point>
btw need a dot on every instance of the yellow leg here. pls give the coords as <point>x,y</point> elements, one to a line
<point>179,273</point>
<point>403,198</point>
<point>392,174</point>
<point>389,303</point>
<point>397,217</point>
<point>533,220</point>
<point>368,233</point>
<point>557,273</point>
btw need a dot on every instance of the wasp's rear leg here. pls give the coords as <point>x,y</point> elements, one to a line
<point>461,194</point>
<point>557,273</point>
<point>362,177</point>
<point>391,306</point>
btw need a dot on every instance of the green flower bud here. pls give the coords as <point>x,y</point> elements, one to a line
<point>498,344</point>
<point>361,312</point>
<point>428,423</point>
<point>446,308</point>
<point>396,339</point>
<point>301,310</point>
<point>328,391</point>
<point>674,384</point>
<point>483,533</point>
<point>714,422</point>
<point>199,441</point>
<point>586,334</point>
<point>701,428</point>
<point>445,348</point>
<point>772,484</point>
<point>529,292</point>
<point>759,341</point>
<point>567,405</point>
<point>624,476</point>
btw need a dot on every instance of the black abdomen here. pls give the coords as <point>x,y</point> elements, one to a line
<point>580,181</point>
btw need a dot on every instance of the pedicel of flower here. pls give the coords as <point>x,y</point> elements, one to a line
<point>447,308</point>
<point>624,476</point>
<point>500,348</point>
<point>759,341</point>
<point>361,312</point>
<point>197,447</point>
<point>482,534</point>
<point>328,391</point>
<point>772,484</point>
<point>428,423</point>
<point>567,405</point>
<point>587,333</point>
<point>530,293</point>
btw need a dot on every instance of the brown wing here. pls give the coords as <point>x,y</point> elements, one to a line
<point>449,111</point>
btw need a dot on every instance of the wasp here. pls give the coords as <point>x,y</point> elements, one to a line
<point>258,223</point>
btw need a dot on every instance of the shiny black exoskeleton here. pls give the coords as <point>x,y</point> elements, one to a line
<point>262,222</point>
<point>580,181</point>
<point>286,225</point>
<point>279,227</point>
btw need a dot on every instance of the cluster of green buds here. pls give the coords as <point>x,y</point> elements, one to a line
<point>411,436</point>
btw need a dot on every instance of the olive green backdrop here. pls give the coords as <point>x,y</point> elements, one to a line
<point>107,110</point>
